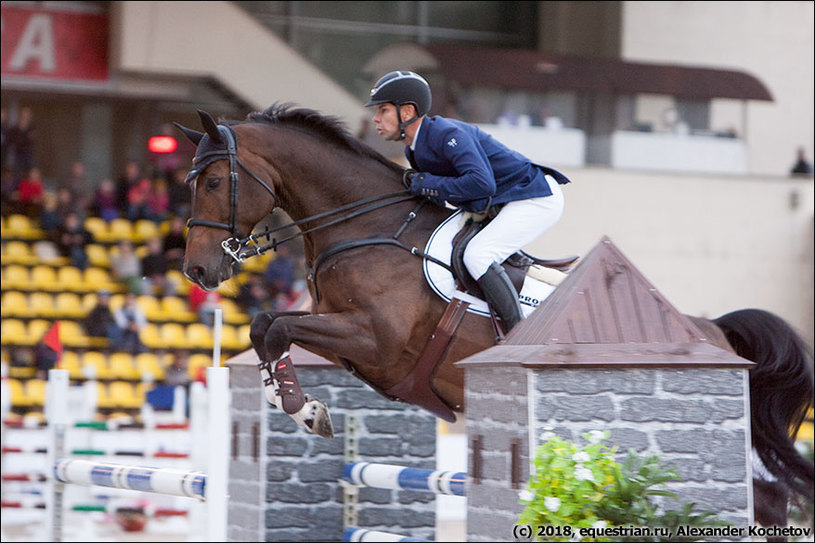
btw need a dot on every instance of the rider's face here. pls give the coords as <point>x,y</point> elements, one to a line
<point>386,122</point>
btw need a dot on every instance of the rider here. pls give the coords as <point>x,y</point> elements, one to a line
<point>455,162</point>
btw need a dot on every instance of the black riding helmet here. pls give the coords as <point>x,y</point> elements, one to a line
<point>402,87</point>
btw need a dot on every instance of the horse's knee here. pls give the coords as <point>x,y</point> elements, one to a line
<point>257,330</point>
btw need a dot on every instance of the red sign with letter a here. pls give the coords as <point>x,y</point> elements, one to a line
<point>47,43</point>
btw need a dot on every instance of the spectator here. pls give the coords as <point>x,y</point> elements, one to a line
<point>5,133</point>
<point>254,296</point>
<point>154,268</point>
<point>137,206</point>
<point>103,204</point>
<point>21,143</point>
<point>279,273</point>
<point>30,193</point>
<point>50,217</point>
<point>179,193</point>
<point>130,176</point>
<point>100,322</point>
<point>71,240</point>
<point>177,373</point>
<point>130,320</point>
<point>8,191</point>
<point>175,243</point>
<point>80,186</point>
<point>204,303</point>
<point>65,201</point>
<point>802,166</point>
<point>126,267</point>
<point>158,201</point>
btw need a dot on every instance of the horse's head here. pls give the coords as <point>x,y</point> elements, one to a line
<point>231,193</point>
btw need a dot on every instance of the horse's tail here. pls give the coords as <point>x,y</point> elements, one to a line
<point>781,391</point>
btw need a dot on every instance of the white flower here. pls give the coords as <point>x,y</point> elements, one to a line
<point>600,524</point>
<point>525,495</point>
<point>551,503</point>
<point>547,434</point>
<point>596,436</point>
<point>582,456</point>
<point>582,473</point>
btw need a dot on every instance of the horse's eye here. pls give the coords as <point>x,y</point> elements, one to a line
<point>213,182</point>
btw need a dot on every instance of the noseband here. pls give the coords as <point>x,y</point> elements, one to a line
<point>209,151</point>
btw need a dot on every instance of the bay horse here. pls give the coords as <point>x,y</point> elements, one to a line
<point>372,309</point>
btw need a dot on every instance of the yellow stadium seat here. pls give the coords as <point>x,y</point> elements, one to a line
<point>177,309</point>
<point>95,366</point>
<point>173,335</point>
<point>37,329</point>
<point>233,314</point>
<point>35,392</point>
<point>17,392</point>
<point>41,304</point>
<point>150,336</point>
<point>231,339</point>
<point>151,307</point>
<point>70,278</point>
<point>104,400</point>
<point>70,362</point>
<point>20,226</point>
<point>73,335</point>
<point>98,228</point>
<point>120,229</point>
<point>149,364</point>
<point>14,332</point>
<point>182,283</point>
<point>198,363</point>
<point>122,367</point>
<point>44,278</point>
<point>97,279</point>
<point>123,394</point>
<point>144,230</point>
<point>199,336</point>
<point>18,252</point>
<point>68,305</point>
<point>97,255</point>
<point>15,304</point>
<point>16,276</point>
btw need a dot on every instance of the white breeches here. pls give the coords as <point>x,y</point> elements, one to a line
<point>518,224</point>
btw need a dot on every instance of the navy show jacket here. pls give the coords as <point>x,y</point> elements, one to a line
<point>463,165</point>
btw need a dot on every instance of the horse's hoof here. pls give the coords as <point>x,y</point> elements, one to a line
<point>318,420</point>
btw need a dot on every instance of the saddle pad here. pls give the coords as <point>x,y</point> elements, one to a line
<point>440,246</point>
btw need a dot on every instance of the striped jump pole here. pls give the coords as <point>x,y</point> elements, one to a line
<point>157,480</point>
<point>400,478</point>
<point>361,534</point>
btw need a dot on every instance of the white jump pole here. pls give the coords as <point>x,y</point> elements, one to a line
<point>218,437</point>
<point>56,413</point>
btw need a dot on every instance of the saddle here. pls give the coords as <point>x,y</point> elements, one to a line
<point>516,265</point>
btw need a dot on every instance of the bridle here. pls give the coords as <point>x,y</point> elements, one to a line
<point>213,151</point>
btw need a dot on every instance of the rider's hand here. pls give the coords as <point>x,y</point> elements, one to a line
<point>407,177</point>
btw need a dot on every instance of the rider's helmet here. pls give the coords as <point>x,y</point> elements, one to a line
<point>399,88</point>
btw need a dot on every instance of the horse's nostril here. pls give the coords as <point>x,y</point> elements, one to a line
<point>195,273</point>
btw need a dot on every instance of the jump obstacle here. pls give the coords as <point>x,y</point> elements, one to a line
<point>210,487</point>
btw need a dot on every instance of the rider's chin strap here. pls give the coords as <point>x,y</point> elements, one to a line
<point>403,125</point>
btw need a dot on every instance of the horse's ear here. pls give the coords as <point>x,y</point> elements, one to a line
<point>193,135</point>
<point>210,126</point>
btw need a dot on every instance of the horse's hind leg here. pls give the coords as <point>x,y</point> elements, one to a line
<point>280,382</point>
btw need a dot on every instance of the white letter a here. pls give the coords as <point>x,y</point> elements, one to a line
<point>36,43</point>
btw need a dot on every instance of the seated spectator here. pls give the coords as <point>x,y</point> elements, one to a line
<point>204,303</point>
<point>177,373</point>
<point>30,193</point>
<point>154,268</point>
<point>100,321</point>
<point>72,239</point>
<point>254,296</point>
<point>51,217</point>
<point>80,186</point>
<point>137,207</point>
<point>8,191</point>
<point>130,320</point>
<point>175,243</point>
<point>179,194</point>
<point>125,266</point>
<point>124,183</point>
<point>103,204</point>
<point>158,201</point>
<point>802,166</point>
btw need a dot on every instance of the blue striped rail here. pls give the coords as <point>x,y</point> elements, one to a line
<point>156,480</point>
<point>361,534</point>
<point>401,478</point>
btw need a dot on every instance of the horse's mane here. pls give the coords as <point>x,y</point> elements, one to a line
<point>330,128</point>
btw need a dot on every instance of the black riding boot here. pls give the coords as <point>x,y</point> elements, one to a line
<point>501,295</point>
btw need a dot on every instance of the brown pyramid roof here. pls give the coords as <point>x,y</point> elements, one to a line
<point>607,313</point>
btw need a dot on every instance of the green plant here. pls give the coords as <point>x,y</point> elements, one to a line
<point>586,488</point>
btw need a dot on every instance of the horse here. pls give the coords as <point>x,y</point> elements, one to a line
<point>372,309</point>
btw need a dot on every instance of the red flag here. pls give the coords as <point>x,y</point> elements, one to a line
<point>51,340</point>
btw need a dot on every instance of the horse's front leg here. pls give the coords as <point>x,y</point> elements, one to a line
<point>273,333</point>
